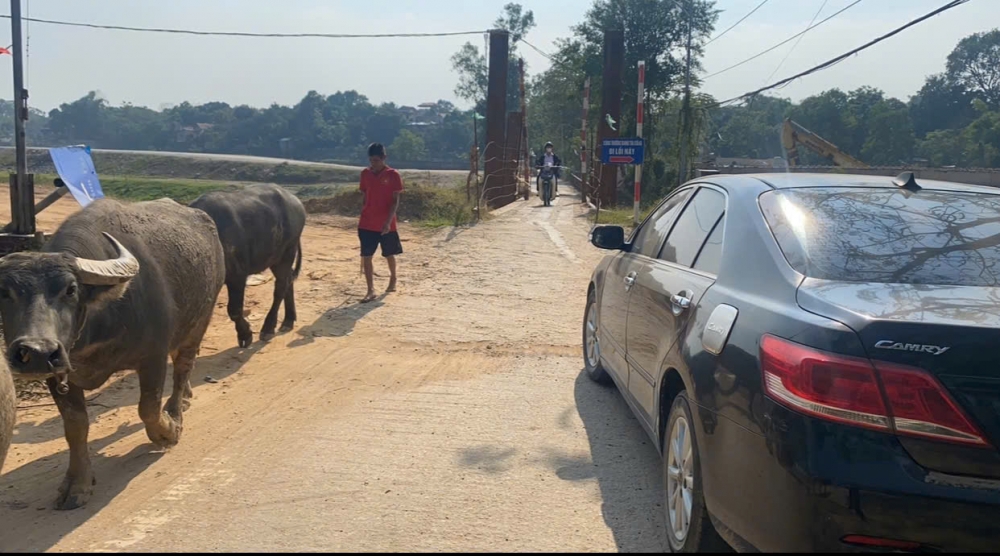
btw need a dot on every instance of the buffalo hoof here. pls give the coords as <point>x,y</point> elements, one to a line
<point>287,326</point>
<point>266,336</point>
<point>244,336</point>
<point>167,433</point>
<point>75,492</point>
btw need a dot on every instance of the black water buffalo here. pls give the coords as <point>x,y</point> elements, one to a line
<point>118,287</point>
<point>8,405</point>
<point>260,228</point>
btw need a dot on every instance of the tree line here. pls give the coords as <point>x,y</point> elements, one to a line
<point>336,128</point>
<point>954,119</point>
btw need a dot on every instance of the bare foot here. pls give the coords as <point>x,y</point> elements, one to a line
<point>368,298</point>
<point>392,287</point>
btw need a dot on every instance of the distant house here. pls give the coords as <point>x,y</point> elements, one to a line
<point>188,132</point>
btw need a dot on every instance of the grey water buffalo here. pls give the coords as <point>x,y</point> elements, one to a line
<point>260,228</point>
<point>117,287</point>
<point>8,405</point>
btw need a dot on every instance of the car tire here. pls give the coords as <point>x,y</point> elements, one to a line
<point>592,359</point>
<point>682,486</point>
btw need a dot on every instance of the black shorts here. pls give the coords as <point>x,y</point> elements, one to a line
<point>370,240</point>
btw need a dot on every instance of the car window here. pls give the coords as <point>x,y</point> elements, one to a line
<point>650,235</point>
<point>886,235</point>
<point>693,227</point>
<point>711,253</point>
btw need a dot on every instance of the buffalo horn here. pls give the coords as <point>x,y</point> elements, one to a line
<point>110,272</point>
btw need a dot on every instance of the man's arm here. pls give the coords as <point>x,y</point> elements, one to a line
<point>397,188</point>
<point>387,227</point>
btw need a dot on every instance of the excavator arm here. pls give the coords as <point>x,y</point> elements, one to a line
<point>793,134</point>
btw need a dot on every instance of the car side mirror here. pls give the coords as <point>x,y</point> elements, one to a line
<point>608,237</point>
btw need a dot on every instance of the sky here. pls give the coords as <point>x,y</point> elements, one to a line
<point>158,70</point>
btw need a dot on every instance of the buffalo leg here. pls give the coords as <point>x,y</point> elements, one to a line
<point>180,399</point>
<point>236,288</point>
<point>161,428</point>
<point>282,280</point>
<point>78,485</point>
<point>290,316</point>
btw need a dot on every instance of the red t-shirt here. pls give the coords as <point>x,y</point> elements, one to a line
<point>378,189</point>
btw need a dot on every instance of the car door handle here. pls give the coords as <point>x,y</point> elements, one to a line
<point>630,280</point>
<point>680,303</point>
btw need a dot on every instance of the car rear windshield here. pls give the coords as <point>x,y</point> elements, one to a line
<point>888,235</point>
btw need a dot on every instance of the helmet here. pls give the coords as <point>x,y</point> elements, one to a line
<point>549,144</point>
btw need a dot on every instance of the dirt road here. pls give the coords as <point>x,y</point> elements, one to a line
<point>449,416</point>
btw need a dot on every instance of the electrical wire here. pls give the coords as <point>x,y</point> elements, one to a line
<point>834,61</point>
<point>794,46</point>
<point>244,34</point>
<point>786,41</point>
<point>719,36</point>
<point>547,56</point>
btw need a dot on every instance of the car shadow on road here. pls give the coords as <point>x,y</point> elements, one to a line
<point>28,493</point>
<point>625,464</point>
<point>337,322</point>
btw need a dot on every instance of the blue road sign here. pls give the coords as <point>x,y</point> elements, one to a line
<point>623,151</point>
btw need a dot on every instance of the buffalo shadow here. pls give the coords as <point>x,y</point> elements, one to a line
<point>121,392</point>
<point>28,493</point>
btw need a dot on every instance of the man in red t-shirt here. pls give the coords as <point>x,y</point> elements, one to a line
<point>381,186</point>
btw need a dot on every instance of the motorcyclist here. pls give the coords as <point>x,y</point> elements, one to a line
<point>548,159</point>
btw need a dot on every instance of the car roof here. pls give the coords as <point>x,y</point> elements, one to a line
<point>779,180</point>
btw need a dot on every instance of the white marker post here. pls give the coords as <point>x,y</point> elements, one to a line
<point>638,133</point>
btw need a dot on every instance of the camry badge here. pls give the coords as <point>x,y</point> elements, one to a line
<point>919,348</point>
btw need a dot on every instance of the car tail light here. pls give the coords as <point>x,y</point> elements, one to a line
<point>921,406</point>
<point>847,390</point>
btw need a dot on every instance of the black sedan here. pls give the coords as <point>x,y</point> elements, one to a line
<point>817,356</point>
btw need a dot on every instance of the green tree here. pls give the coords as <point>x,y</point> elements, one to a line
<point>473,67</point>
<point>408,146</point>
<point>940,104</point>
<point>975,63</point>
<point>889,134</point>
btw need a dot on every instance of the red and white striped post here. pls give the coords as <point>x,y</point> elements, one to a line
<point>584,178</point>
<point>638,133</point>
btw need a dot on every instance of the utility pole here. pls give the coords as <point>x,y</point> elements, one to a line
<point>22,189</point>
<point>682,171</point>
<point>611,109</point>
<point>584,178</point>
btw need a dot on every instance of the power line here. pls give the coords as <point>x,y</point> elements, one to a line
<point>245,34</point>
<point>794,46</point>
<point>834,61</point>
<point>548,56</point>
<point>719,36</point>
<point>786,41</point>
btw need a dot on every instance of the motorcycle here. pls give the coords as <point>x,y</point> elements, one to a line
<point>547,177</point>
